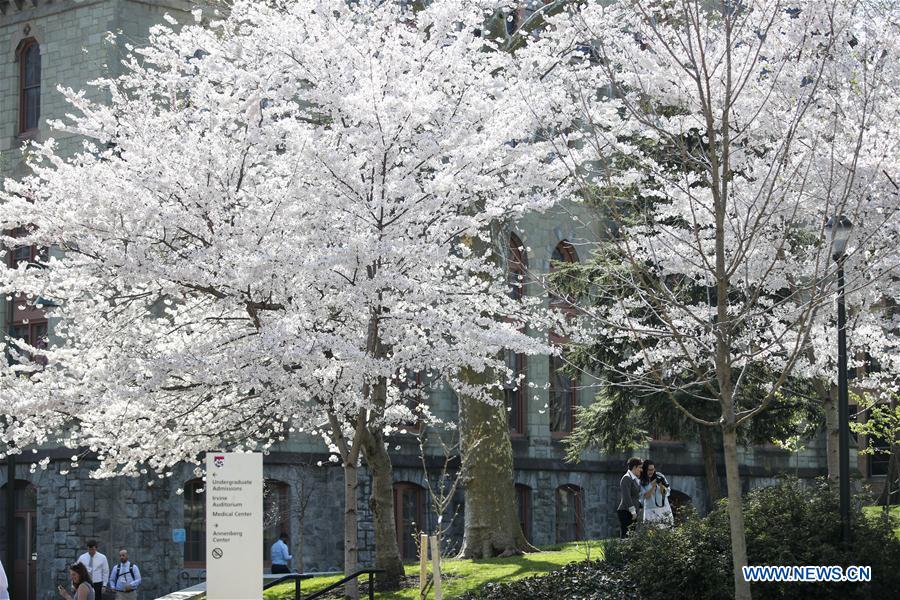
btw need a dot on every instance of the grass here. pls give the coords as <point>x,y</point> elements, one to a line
<point>460,576</point>
<point>874,512</point>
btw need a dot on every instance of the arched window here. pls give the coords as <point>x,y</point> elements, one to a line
<point>29,57</point>
<point>194,524</point>
<point>409,515</point>
<point>568,513</point>
<point>276,514</point>
<point>523,505</point>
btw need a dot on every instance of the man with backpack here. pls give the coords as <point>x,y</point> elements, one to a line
<point>125,578</point>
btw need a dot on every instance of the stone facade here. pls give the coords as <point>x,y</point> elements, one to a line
<point>72,507</point>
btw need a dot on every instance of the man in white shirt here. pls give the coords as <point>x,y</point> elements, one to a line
<point>125,578</point>
<point>4,584</point>
<point>97,568</point>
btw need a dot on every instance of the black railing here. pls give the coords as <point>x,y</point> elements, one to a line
<point>298,577</point>
<point>370,572</point>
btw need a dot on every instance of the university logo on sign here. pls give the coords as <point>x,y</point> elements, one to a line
<point>219,461</point>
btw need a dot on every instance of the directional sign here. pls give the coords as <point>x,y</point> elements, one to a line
<point>234,526</point>
<point>179,536</point>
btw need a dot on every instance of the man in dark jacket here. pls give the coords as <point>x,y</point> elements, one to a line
<point>629,495</point>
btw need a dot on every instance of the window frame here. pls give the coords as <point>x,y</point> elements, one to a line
<point>189,525</point>
<point>23,53</point>
<point>514,390</point>
<point>556,363</point>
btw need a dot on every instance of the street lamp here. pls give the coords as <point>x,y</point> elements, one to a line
<point>839,229</point>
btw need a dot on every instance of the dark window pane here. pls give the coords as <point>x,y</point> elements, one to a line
<point>32,60</point>
<point>194,523</point>
<point>561,397</point>
<point>32,108</point>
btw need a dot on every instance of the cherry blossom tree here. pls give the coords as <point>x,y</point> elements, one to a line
<point>718,137</point>
<point>274,216</point>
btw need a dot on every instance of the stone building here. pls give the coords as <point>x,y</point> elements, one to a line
<point>50,43</point>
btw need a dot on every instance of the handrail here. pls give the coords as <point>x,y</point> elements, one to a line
<point>370,572</point>
<point>296,577</point>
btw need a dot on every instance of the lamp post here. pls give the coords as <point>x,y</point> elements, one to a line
<point>839,229</point>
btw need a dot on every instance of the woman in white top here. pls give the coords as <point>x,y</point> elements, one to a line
<point>81,583</point>
<point>655,496</point>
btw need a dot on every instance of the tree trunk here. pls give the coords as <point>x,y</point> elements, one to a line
<point>708,449</point>
<point>832,431</point>
<point>381,501</point>
<point>735,512</point>
<point>351,529</point>
<point>491,521</point>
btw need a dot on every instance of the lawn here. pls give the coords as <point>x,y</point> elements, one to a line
<point>874,512</point>
<point>460,576</point>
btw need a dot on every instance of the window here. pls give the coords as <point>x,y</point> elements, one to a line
<point>33,333</point>
<point>29,57</point>
<point>517,265</point>
<point>409,503</point>
<point>879,462</point>
<point>563,398</point>
<point>25,320</point>
<point>514,391</point>
<point>276,514</point>
<point>568,513</point>
<point>512,20</point>
<point>28,254</point>
<point>523,505</point>
<point>194,525</point>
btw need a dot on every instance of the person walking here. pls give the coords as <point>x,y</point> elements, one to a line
<point>629,495</point>
<point>655,495</point>
<point>125,578</point>
<point>81,583</point>
<point>97,567</point>
<point>281,555</point>
<point>4,584</point>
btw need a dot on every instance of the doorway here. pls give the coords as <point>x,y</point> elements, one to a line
<point>24,556</point>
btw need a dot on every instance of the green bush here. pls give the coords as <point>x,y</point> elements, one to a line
<point>586,580</point>
<point>791,523</point>
<point>787,524</point>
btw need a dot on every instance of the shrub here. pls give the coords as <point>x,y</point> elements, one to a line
<point>787,524</point>
<point>587,580</point>
<point>792,523</point>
